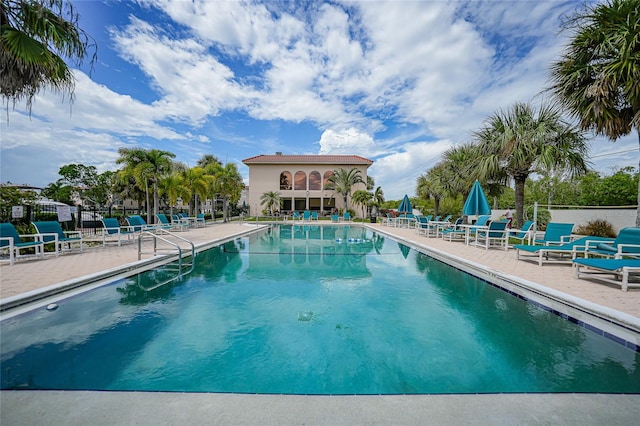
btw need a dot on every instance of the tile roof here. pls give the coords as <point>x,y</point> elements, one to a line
<point>307,159</point>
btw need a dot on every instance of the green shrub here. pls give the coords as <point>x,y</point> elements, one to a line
<point>597,228</point>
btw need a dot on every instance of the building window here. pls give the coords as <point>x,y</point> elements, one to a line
<point>315,182</point>
<point>285,180</point>
<point>301,180</point>
<point>327,175</point>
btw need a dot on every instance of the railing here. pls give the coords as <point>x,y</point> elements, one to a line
<point>176,269</point>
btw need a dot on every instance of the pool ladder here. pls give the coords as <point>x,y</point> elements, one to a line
<point>166,242</point>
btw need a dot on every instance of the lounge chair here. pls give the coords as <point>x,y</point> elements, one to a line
<point>314,215</point>
<point>52,232</point>
<point>12,241</point>
<point>335,218</point>
<point>482,222</point>
<point>555,234</point>
<point>138,224</point>
<point>111,229</point>
<point>346,217</point>
<point>391,220</point>
<point>421,225</point>
<point>200,221</point>
<point>296,215</point>
<point>627,243</point>
<point>306,215</point>
<point>454,232</point>
<point>180,225</point>
<point>524,233</point>
<point>496,234</point>
<point>555,254</point>
<point>613,271</point>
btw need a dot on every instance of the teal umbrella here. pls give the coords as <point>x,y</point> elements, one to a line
<point>476,203</point>
<point>405,205</point>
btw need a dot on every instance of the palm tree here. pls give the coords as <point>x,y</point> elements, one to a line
<point>229,185</point>
<point>432,185</point>
<point>458,169</point>
<point>378,198</point>
<point>521,141</point>
<point>198,182</point>
<point>271,199</point>
<point>597,78</point>
<point>157,163</point>
<point>342,181</point>
<point>135,171</point>
<point>207,160</point>
<point>363,198</point>
<point>34,38</point>
<point>173,187</point>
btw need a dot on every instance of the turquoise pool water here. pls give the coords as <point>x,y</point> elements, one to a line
<point>310,310</point>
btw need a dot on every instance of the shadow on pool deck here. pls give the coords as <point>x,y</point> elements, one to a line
<point>112,408</point>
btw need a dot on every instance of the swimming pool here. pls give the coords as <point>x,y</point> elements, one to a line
<point>310,310</point>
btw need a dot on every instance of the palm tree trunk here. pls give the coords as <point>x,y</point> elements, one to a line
<point>519,200</point>
<point>156,198</point>
<point>146,190</point>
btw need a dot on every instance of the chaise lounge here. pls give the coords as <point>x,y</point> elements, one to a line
<point>52,232</point>
<point>12,241</point>
<point>613,271</point>
<point>563,253</point>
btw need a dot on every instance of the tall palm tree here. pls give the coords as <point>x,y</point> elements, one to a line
<point>363,198</point>
<point>598,76</point>
<point>520,141</point>
<point>432,184</point>
<point>133,170</point>
<point>198,182</point>
<point>173,187</point>
<point>342,182</point>
<point>229,185</point>
<point>207,160</point>
<point>270,199</point>
<point>459,169</point>
<point>158,163</point>
<point>34,38</point>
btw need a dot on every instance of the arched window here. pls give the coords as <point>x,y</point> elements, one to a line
<point>315,181</point>
<point>327,175</point>
<point>301,180</point>
<point>285,180</point>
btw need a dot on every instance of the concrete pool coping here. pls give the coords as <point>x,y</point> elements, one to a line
<point>80,407</point>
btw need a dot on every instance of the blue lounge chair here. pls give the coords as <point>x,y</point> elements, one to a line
<point>164,222</point>
<point>454,232</point>
<point>52,232</point>
<point>555,254</point>
<point>296,215</point>
<point>346,217</point>
<point>314,215</point>
<point>306,215</point>
<point>482,221</point>
<point>555,234</point>
<point>111,229</point>
<point>496,233</point>
<point>627,243</point>
<point>200,222</point>
<point>13,242</point>
<point>335,218</point>
<point>524,233</point>
<point>613,271</point>
<point>138,224</point>
<point>421,225</point>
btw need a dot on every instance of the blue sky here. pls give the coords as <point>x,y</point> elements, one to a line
<point>398,82</point>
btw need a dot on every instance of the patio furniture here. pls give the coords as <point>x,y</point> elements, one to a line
<point>454,232</point>
<point>179,225</point>
<point>346,217</point>
<point>495,234</point>
<point>627,243</point>
<point>524,233</point>
<point>52,232</point>
<point>612,271</point>
<point>306,215</point>
<point>111,229</point>
<point>13,242</point>
<point>553,253</point>
<point>555,234</point>
<point>335,218</point>
<point>314,215</point>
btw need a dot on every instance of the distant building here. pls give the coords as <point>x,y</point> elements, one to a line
<point>301,180</point>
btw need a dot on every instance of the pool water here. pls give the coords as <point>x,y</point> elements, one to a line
<point>310,310</point>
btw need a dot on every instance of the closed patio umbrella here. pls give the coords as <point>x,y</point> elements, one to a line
<point>476,203</point>
<point>405,205</point>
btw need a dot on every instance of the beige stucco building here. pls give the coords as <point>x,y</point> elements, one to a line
<point>301,180</point>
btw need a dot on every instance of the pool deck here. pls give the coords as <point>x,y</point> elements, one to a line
<point>53,407</point>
